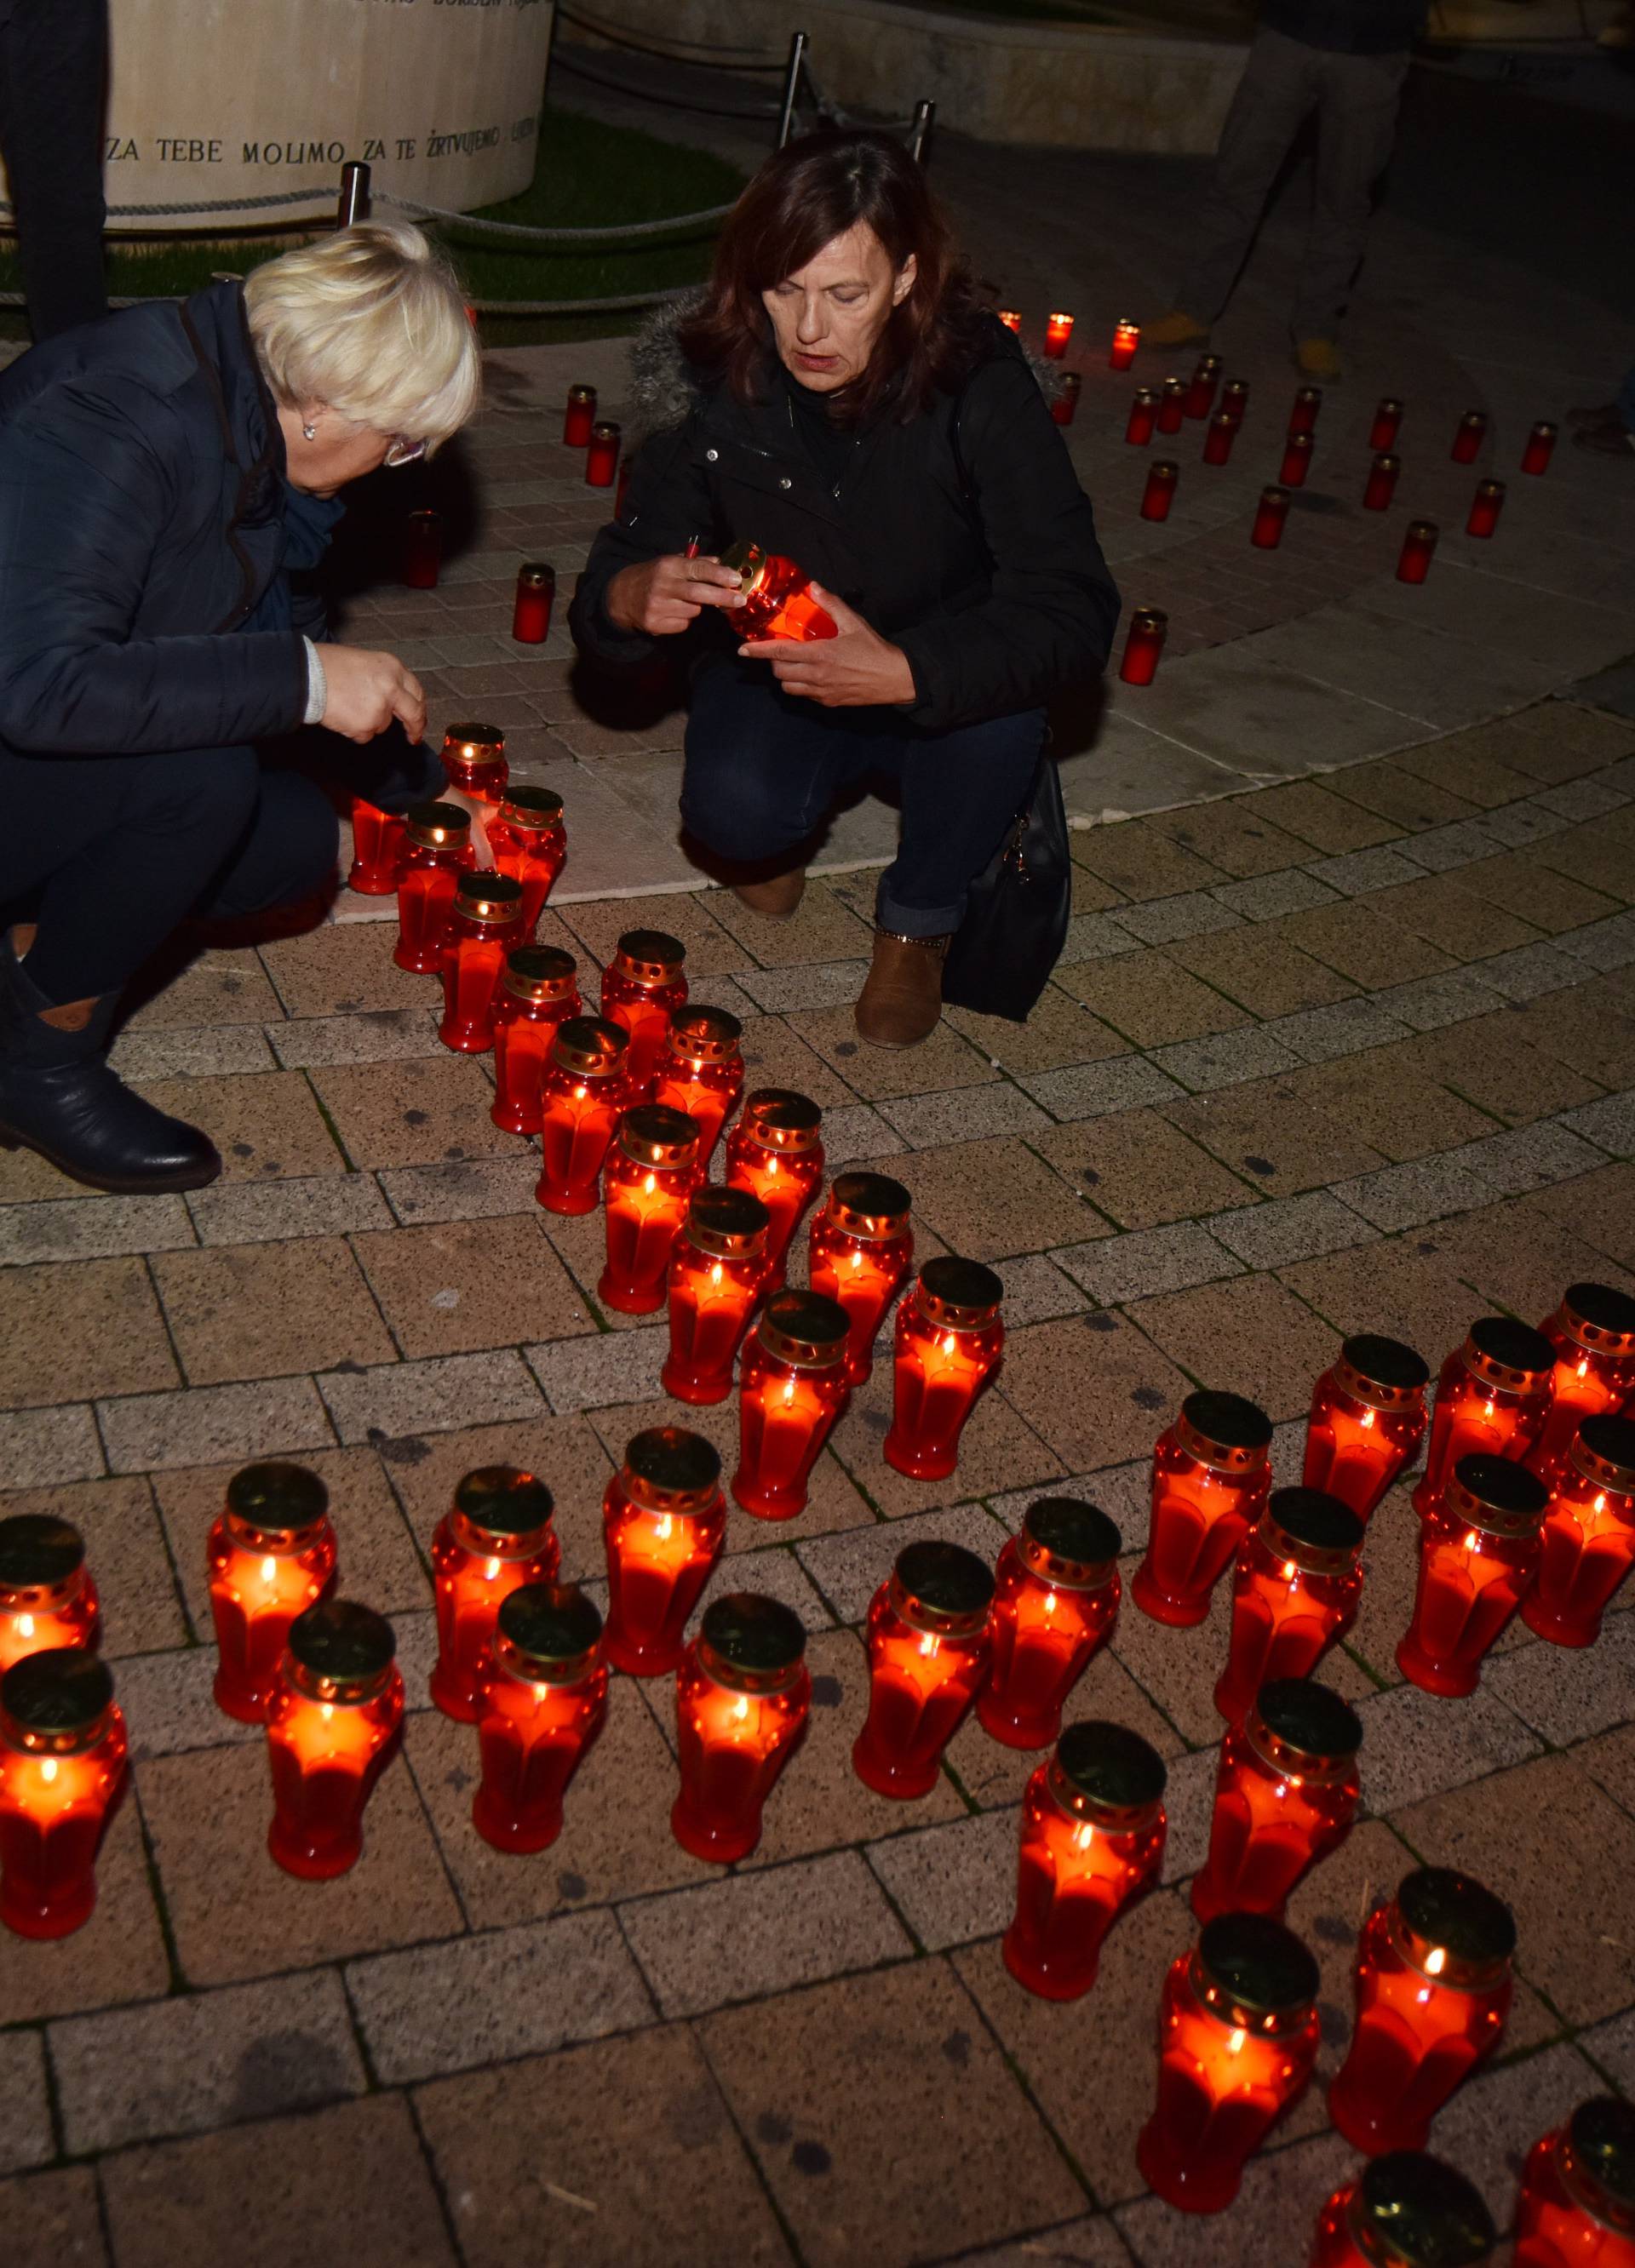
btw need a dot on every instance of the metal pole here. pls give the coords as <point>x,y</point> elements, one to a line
<point>791,86</point>
<point>925,113</point>
<point>354,205</point>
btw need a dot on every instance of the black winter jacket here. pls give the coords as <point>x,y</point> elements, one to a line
<point>141,526</point>
<point>973,551</point>
<point>1349,27</point>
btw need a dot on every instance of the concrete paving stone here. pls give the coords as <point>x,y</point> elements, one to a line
<point>217,987</point>
<point>1123,1492</point>
<point>1253,715</point>
<point>352,2181</point>
<point>830,2080</point>
<point>170,1707</point>
<point>1516,1256</point>
<point>1324,820</point>
<point>998,1448</point>
<point>206,2060</point>
<point>955,1883</point>
<point>234,1914</point>
<point>1059,1031</point>
<point>1463,764</point>
<point>1287,2181</point>
<point>467,1285</point>
<point>1604,944</point>
<point>1200,1066</point>
<point>1598,1206</point>
<point>1144,859</point>
<point>373,1036</point>
<point>879,1074</point>
<point>968,1114</point>
<point>125,1551</point>
<point>92,1228</point>
<point>564,1452</point>
<point>822,928</point>
<point>1095,1090</point>
<point>1090,894</point>
<point>1577,800</point>
<point>1232,835</point>
<point>183,1052</point>
<point>1263,897</point>
<point>1575,728</point>
<point>1426,1189</point>
<point>594,2158</point>
<point>1590,1028</point>
<point>1262,971</point>
<point>264,1310</point>
<point>466,1189</point>
<point>1149,998</point>
<point>119,1955</point>
<point>1594,855</point>
<point>1139,1170</point>
<point>850,1568</point>
<point>1145,1261</point>
<point>1251,1337</point>
<point>773,1571</point>
<point>1385,1098</point>
<point>1036,1292</point>
<point>1132,770</point>
<point>1609,1123</point>
<point>987,1199</point>
<point>775,1053</point>
<point>203,1425</point>
<point>1565,1693</point>
<point>1459,921</point>
<point>1609,1758</point>
<point>1165,921</point>
<point>1463,843</point>
<point>419,1113</point>
<point>1527,1157</point>
<point>1355,937</point>
<point>1488,2126</point>
<point>429,1397</point>
<point>26,2137</point>
<point>1345,1028</point>
<point>1430,1002</point>
<point>1189,1810</point>
<point>1610,2046</point>
<point>54,2217</point>
<point>72,1329</point>
<point>1092,937</point>
<point>1276,1143</point>
<point>1532,970</point>
<point>857,1131</point>
<point>803,985</point>
<point>1094,2243</point>
<point>1288,1229</point>
<point>253,1213</point>
<point>725,992</point>
<point>266,1128</point>
<point>995,1777</point>
<point>27,1179</point>
<point>586,1374</point>
<point>1353,873</point>
<point>41,1448</point>
<point>1099,1394</point>
<point>1497,1070</point>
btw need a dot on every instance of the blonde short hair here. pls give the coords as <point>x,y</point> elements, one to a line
<point>372,321</point>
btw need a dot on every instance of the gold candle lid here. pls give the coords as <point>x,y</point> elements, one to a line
<point>1495,1497</point>
<point>438,826</point>
<point>492,900</point>
<point>605,430</point>
<point>1452,1928</point>
<point>1309,394</point>
<point>1311,1530</point>
<point>1209,367</point>
<point>503,1502</point>
<point>1238,388</point>
<point>751,1644</point>
<point>805,1329</point>
<point>648,956</point>
<point>778,1119</point>
<point>1386,463</point>
<point>729,1224</point>
<point>1068,1543</point>
<point>1163,469</point>
<point>1475,420</point>
<point>1254,1975</point>
<point>585,397</point>
<point>655,1136</point>
<point>1491,491</point>
<point>1423,531</point>
<point>1175,387</point>
<point>1382,1373</point>
<point>1146,398</point>
<point>871,1206</point>
<point>590,1046</point>
<point>669,1468</point>
<point>1600,1318</point>
<point>958,1295</point>
<point>1225,1431</point>
<point>276,1507</point>
<point>530,810</point>
<point>1277,497</point>
<point>538,973</point>
<point>1604,1452</point>
<point>1388,406</point>
<point>1303,443</point>
<point>704,1035</point>
<point>941,1588</point>
<point>475,743</point>
<point>536,575</point>
<point>1153,620</point>
<point>1301,1728</point>
<point>1503,1352</point>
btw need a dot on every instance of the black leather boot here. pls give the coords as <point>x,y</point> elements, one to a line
<point>58,1096</point>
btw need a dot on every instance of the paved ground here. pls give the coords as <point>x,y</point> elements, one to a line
<point>1324,1054</point>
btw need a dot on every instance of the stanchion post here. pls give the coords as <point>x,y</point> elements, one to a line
<point>919,133</point>
<point>354,205</point>
<point>791,86</point>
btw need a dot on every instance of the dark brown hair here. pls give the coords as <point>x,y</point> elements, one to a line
<point>804,196</point>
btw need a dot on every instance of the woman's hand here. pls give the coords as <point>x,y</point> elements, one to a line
<point>859,669</point>
<point>661,596</point>
<point>479,814</point>
<point>367,690</point>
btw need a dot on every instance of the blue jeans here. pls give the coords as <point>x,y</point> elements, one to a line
<point>763,770</point>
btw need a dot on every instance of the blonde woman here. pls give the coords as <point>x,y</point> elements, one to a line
<point>167,485</point>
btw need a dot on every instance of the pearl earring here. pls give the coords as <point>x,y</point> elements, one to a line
<point>310,432</point>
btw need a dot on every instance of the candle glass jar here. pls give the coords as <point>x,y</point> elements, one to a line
<point>1126,339</point>
<point>601,458</point>
<point>271,1553</point>
<point>776,1151</point>
<point>538,993</point>
<point>1172,403</point>
<point>48,1599</point>
<point>1160,492</point>
<point>484,925</point>
<point>63,1750</point>
<point>1286,1795</point>
<point>1054,1602</point>
<point>1593,1334</point>
<point>377,850</point>
<point>700,1069</point>
<point>542,1701</point>
<point>1381,486</point>
<point>528,842</point>
<point>1270,517</point>
<point>1092,1844</point>
<point>742,1697</point>
<point>1149,627</point>
<point>1211,1474</point>
<point>947,1349</point>
<point>1405,2211</point>
<point>1218,435</point>
<point>1418,549</point>
<point>792,1387</point>
<point>1368,1419</point>
<point>1485,507</point>
<point>1588,1536</point>
<point>642,987</point>
<point>536,593</point>
<point>1387,419</point>
<point>1577,2205</point>
<point>1295,1593</point>
<point>496,1537</point>
<point>778,598</point>
<point>1296,464</point>
<point>651,1171</point>
<point>333,1725</point>
<point>1468,439</point>
<point>1541,444</point>
<point>584,1092</point>
<point>1200,391</point>
<point>859,1251</point>
<point>1065,404</point>
<point>474,760</point>
<point>422,549</point>
<point>1237,2034</point>
<point>438,851</point>
<point>1479,1550</point>
<point>1492,1398</point>
<point>1234,399</point>
<point>718,1272</point>
<point>1010,318</point>
<point>1303,415</point>
<point>1057,331</point>
<point>1142,417</point>
<point>930,1643</point>
<point>579,417</point>
<point>663,1521</point>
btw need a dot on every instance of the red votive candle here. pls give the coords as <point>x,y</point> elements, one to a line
<point>778,601</point>
<point>332,1725</point>
<point>930,1644</point>
<point>1479,1550</point>
<point>422,549</point>
<point>1160,492</point>
<point>1142,417</point>
<point>1149,627</point>
<point>601,459</point>
<point>1237,2038</point>
<point>1577,2205</point>
<point>542,1701</point>
<point>1541,444</point>
<point>1285,1794</point>
<point>1592,1333</point>
<point>642,987</point>
<point>48,1599</point>
<point>1368,1419</point>
<point>1271,518</point>
<point>1381,486</point>
<point>584,1093</point>
<point>484,925</point>
<point>580,416</point>
<point>377,850</point>
<point>474,759</point>
<point>496,1537</point>
<point>1057,331</point>
<point>1064,405</point>
<point>1294,1594</point>
<point>538,992</point>
<point>536,590</point>
<point>776,1151</point>
<point>1468,439</point>
<point>1493,1396</point>
<point>1588,1538</point>
<point>1387,420</point>
<point>1418,549</point>
<point>742,1697</point>
<point>1172,403</point>
<point>791,1386</point>
<point>271,1553</point>
<point>1092,1845</point>
<point>663,1520</point>
<point>1433,1989</point>
<point>1010,317</point>
<point>1303,414</point>
<point>651,1171</point>
<point>1200,391</point>
<point>1220,433</point>
<point>1485,507</point>
<point>1234,399</point>
<point>1126,339</point>
<point>62,1768</point>
<point>858,1252</point>
<point>438,851</point>
<point>1296,460</point>
<point>1211,1474</point>
<point>528,842</point>
<point>718,1272</point>
<point>1405,2211</point>
<point>1054,1602</point>
<point>946,1348</point>
<point>700,1069</point>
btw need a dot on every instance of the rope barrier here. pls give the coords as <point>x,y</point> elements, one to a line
<point>324,197</point>
<point>511,229</point>
<point>621,38</point>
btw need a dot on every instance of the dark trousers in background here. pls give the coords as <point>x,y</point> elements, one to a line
<point>763,770</point>
<point>1356,99</point>
<point>53,78</point>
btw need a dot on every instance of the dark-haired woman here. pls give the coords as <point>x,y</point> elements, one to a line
<point>847,404</point>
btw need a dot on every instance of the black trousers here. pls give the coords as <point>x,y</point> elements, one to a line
<point>53,77</point>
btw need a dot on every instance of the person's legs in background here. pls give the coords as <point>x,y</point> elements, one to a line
<point>53,77</point>
<point>1361,98</point>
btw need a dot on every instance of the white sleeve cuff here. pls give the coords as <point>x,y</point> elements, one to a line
<point>317,685</point>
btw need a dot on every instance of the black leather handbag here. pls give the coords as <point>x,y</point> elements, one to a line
<point>1017,911</point>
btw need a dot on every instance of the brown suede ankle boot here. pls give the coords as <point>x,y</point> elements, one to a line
<point>775,899</point>
<point>902,994</point>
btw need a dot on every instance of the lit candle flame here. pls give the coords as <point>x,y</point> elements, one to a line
<point>269,1569</point>
<point>1235,2043</point>
<point>49,1770</point>
<point>25,1625</point>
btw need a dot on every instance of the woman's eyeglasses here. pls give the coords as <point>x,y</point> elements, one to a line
<point>405,453</point>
